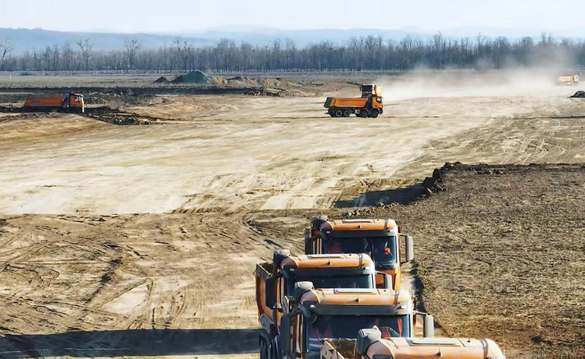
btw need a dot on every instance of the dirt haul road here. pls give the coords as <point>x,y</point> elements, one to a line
<point>101,254</point>
<point>232,153</point>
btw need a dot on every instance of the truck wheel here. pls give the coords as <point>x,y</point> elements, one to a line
<point>333,112</point>
<point>339,113</point>
<point>364,112</point>
<point>346,113</point>
<point>374,114</point>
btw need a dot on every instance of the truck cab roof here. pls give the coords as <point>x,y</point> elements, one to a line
<point>357,302</point>
<point>448,348</point>
<point>357,297</point>
<point>346,225</point>
<point>328,261</point>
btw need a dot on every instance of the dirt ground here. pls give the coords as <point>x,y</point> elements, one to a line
<point>501,254</point>
<point>142,240</point>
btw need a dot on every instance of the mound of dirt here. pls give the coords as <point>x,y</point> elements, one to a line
<point>193,77</point>
<point>579,94</point>
<point>161,81</point>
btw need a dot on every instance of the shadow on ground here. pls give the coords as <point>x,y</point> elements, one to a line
<point>116,343</point>
<point>402,196</point>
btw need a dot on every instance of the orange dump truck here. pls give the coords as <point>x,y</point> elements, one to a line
<point>371,345</point>
<point>370,104</point>
<point>568,79</point>
<point>379,238</point>
<point>65,103</point>
<point>277,279</point>
<point>310,317</point>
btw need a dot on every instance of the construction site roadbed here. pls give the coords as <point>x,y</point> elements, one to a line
<point>500,254</point>
<point>141,241</point>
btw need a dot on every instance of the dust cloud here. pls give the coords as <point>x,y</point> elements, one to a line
<point>461,83</point>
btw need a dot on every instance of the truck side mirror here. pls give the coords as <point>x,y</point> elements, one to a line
<point>279,255</point>
<point>270,292</point>
<point>429,326</point>
<point>301,288</point>
<point>367,337</point>
<point>409,248</point>
<point>383,281</point>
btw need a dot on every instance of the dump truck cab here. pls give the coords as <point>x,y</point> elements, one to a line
<point>380,239</point>
<point>277,279</point>
<point>75,102</point>
<point>313,317</point>
<point>371,90</point>
<point>371,344</point>
<point>568,79</point>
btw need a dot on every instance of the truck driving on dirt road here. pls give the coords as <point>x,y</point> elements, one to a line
<point>277,279</point>
<point>310,317</point>
<point>71,102</point>
<point>380,239</point>
<point>370,344</point>
<point>370,104</point>
<point>568,79</point>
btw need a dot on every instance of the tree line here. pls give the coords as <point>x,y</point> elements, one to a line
<point>365,53</point>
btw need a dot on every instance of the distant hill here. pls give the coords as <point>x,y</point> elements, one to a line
<point>27,39</point>
<point>301,38</point>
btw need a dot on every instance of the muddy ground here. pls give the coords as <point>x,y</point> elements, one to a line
<point>141,240</point>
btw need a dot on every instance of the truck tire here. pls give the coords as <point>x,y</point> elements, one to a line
<point>339,113</point>
<point>346,113</point>
<point>374,114</point>
<point>364,112</point>
<point>332,112</point>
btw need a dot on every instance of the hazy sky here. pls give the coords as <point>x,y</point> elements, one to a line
<point>185,15</point>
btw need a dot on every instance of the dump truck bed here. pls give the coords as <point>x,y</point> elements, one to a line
<point>341,102</point>
<point>263,271</point>
<point>44,102</point>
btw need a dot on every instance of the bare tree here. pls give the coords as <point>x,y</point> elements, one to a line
<point>131,48</point>
<point>5,49</point>
<point>85,49</point>
<point>67,57</point>
<point>360,53</point>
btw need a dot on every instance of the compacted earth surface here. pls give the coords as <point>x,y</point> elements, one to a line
<point>500,254</point>
<point>121,241</point>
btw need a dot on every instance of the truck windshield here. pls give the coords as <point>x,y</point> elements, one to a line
<point>333,281</point>
<point>381,249</point>
<point>347,327</point>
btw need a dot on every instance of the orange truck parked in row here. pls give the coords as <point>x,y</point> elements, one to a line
<point>369,105</point>
<point>370,344</point>
<point>64,103</point>
<point>380,239</point>
<point>310,317</point>
<point>277,279</point>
